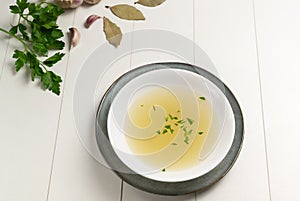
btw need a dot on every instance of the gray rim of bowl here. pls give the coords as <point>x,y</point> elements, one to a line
<point>200,183</point>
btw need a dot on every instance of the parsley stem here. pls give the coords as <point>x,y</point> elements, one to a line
<point>23,17</point>
<point>18,38</point>
<point>26,46</point>
<point>3,30</point>
<point>19,20</point>
<point>44,67</point>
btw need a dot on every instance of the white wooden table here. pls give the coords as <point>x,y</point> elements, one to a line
<point>255,46</point>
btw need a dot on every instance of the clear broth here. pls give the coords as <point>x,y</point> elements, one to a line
<point>150,112</point>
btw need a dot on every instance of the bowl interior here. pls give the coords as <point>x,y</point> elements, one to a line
<point>189,90</point>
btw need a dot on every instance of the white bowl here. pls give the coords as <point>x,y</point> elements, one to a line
<point>171,79</point>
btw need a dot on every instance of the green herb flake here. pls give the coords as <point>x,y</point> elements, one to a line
<point>142,105</point>
<point>158,132</point>
<point>200,133</point>
<point>181,121</point>
<point>163,170</point>
<point>154,108</point>
<point>186,140</point>
<point>174,143</point>
<point>167,126</point>
<point>178,111</point>
<point>171,117</point>
<point>190,121</point>
<point>164,131</point>
<point>202,98</point>
<point>166,119</point>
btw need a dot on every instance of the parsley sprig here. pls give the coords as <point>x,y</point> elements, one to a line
<point>38,32</point>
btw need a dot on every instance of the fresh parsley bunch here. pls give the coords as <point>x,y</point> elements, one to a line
<point>38,32</point>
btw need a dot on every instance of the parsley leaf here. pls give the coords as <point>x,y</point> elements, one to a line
<point>51,82</point>
<point>21,59</point>
<point>14,9</point>
<point>53,59</point>
<point>22,4</point>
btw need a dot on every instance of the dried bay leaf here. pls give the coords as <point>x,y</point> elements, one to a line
<point>127,12</point>
<point>150,3</point>
<point>112,32</point>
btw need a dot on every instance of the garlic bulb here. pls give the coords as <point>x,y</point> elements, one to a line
<point>68,3</point>
<point>92,1</point>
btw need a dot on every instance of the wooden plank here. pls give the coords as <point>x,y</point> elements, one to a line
<point>131,193</point>
<point>278,47</point>
<point>177,19</point>
<point>172,17</point>
<point>6,20</point>
<point>29,118</point>
<point>225,30</point>
<point>76,175</point>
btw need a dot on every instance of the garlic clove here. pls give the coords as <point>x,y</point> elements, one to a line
<point>63,3</point>
<point>76,3</point>
<point>90,20</point>
<point>74,37</point>
<point>68,3</point>
<point>92,1</point>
